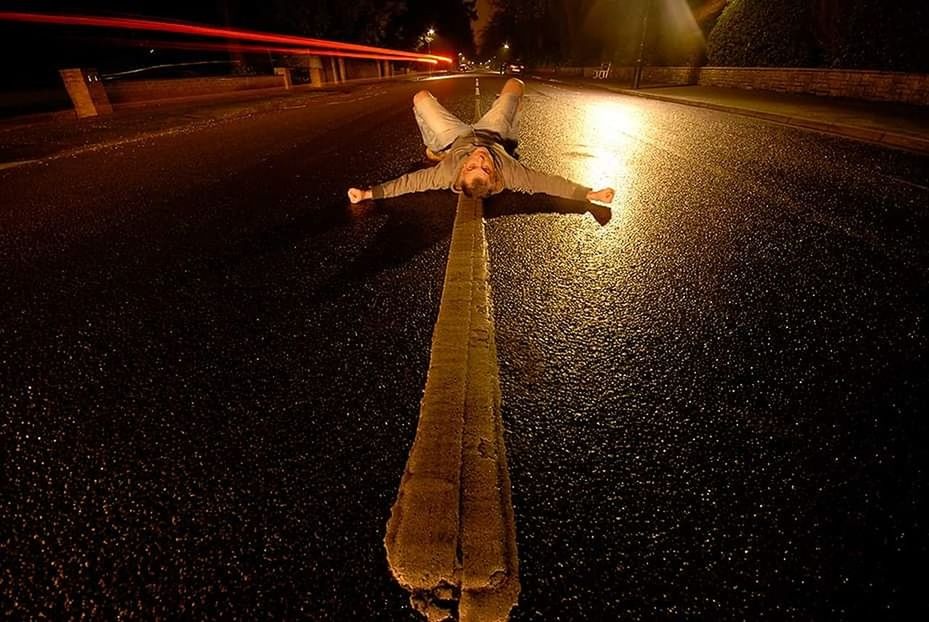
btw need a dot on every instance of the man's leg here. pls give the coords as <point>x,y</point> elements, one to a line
<point>439,127</point>
<point>503,116</point>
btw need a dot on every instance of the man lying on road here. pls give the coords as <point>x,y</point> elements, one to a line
<point>474,159</point>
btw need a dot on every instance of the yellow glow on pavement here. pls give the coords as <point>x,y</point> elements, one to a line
<point>608,133</point>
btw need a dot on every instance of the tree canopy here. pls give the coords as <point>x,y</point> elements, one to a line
<point>395,23</point>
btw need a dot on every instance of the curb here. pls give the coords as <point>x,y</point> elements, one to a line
<point>891,139</point>
<point>896,140</point>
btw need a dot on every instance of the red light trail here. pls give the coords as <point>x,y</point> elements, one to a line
<point>347,49</point>
<point>241,47</point>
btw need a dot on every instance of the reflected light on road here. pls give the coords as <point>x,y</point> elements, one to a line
<point>607,140</point>
<point>606,151</point>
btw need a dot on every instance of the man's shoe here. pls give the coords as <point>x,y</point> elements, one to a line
<point>432,155</point>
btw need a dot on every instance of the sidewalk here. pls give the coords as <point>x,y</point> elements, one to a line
<point>896,125</point>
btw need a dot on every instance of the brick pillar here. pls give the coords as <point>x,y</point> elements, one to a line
<point>86,92</point>
<point>334,69</point>
<point>285,73</point>
<point>342,75</point>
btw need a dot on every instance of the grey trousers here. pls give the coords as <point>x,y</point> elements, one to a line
<point>440,128</point>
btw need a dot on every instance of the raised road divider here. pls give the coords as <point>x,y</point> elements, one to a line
<point>451,537</point>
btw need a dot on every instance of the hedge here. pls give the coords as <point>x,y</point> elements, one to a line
<point>762,33</point>
<point>852,34</point>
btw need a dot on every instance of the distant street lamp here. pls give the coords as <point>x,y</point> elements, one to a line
<point>428,38</point>
<point>506,46</point>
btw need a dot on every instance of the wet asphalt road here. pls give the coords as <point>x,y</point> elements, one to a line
<point>714,400</point>
<point>212,368</point>
<point>716,403</point>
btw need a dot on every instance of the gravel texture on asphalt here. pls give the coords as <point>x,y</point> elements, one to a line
<point>715,401</point>
<point>212,367</point>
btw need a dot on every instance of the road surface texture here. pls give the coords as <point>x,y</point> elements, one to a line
<point>715,402</point>
<point>212,368</point>
<point>212,365</point>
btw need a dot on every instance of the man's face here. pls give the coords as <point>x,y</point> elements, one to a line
<point>478,165</point>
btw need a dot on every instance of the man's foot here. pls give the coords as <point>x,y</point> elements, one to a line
<point>433,156</point>
<point>514,86</point>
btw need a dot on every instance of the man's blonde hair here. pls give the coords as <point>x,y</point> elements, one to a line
<point>477,188</point>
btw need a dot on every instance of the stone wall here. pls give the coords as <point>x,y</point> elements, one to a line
<point>874,85</point>
<point>358,69</point>
<point>131,91</point>
<point>656,76</point>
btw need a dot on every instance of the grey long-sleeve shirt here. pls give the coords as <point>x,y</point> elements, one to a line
<point>514,175</point>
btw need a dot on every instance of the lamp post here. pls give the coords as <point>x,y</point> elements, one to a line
<point>426,38</point>
<point>637,74</point>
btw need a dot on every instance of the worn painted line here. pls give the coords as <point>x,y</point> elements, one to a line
<point>451,537</point>
<point>906,182</point>
<point>477,99</point>
<point>122,142</point>
<point>6,165</point>
<point>490,565</point>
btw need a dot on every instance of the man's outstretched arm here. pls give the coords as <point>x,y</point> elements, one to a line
<point>435,178</point>
<point>524,179</point>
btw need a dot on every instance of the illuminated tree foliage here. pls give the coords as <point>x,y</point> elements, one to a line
<point>594,31</point>
<point>792,33</point>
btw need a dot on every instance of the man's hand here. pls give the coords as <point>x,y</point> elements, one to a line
<point>605,195</point>
<point>356,195</point>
